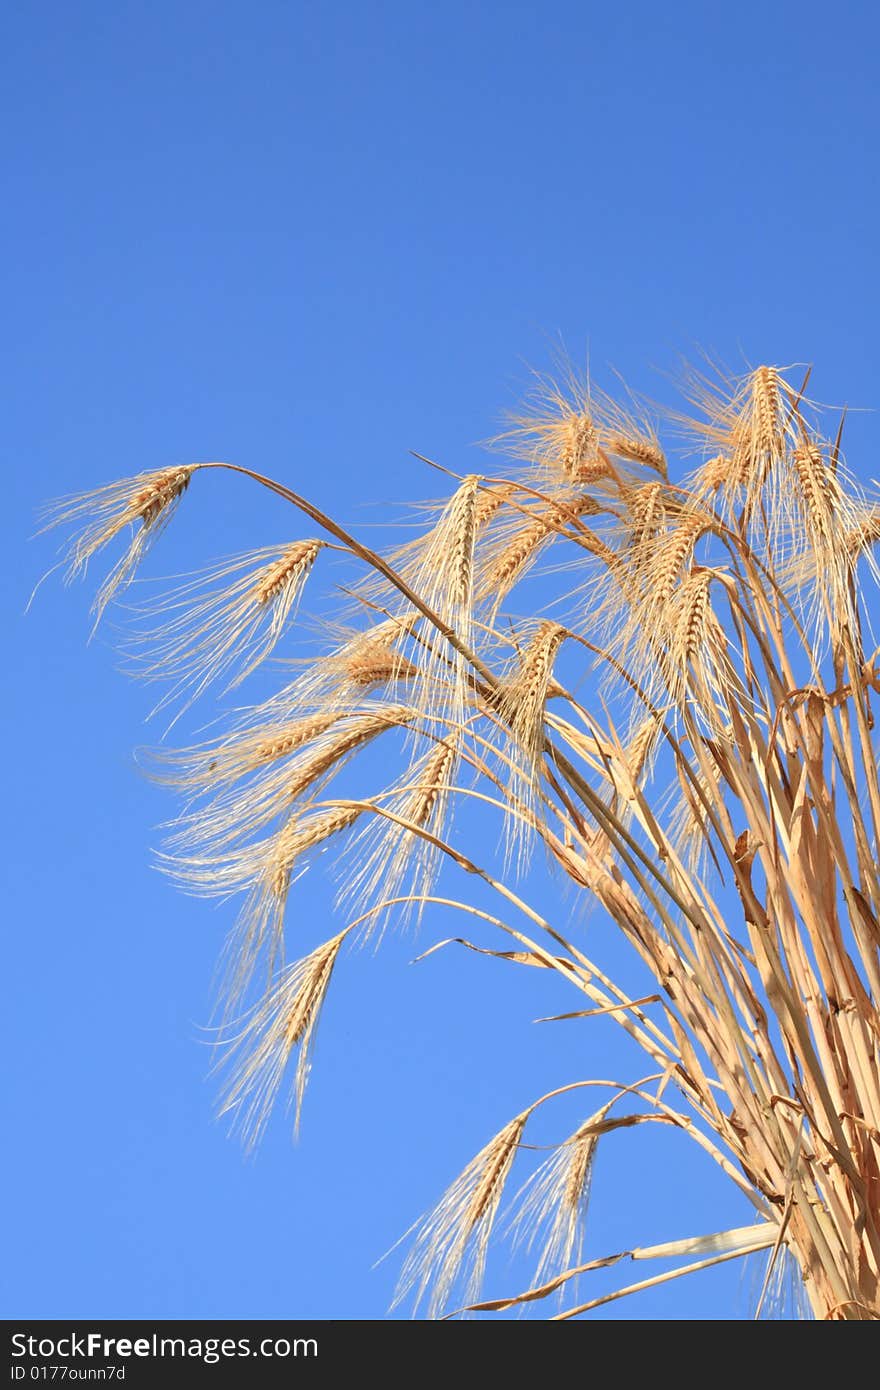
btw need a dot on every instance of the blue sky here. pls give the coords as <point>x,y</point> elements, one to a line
<point>311,239</point>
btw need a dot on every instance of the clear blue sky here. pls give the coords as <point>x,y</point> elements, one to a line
<point>311,238</point>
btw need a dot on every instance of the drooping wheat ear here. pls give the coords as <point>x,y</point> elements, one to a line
<point>148,499</point>
<point>640,614</point>
<point>442,571</point>
<point>298,836</point>
<point>691,632</point>
<point>258,1052</point>
<point>766,411</point>
<point>557,434</point>
<point>361,729</point>
<point>502,570</point>
<point>439,564</point>
<point>367,658</point>
<point>757,439</point>
<point>377,663</point>
<point>627,432</point>
<point>260,926</point>
<point>673,550</point>
<point>640,519</point>
<point>644,518</point>
<point>579,456</point>
<point>209,766</point>
<point>158,494</point>
<point>521,703</point>
<point>818,494</point>
<point>829,515</point>
<point>453,1238</point>
<point>523,700</point>
<point>264,865</point>
<point>642,745</point>
<point>225,823</point>
<point>460,533</point>
<point>287,572</point>
<point>510,551</point>
<point>553,1201</point>
<point>264,869</point>
<point>698,662</point>
<point>635,449</point>
<point>864,533</point>
<point>718,472</point>
<point>692,615</point>
<point>280,742</point>
<point>687,826</point>
<point>222,622</point>
<point>492,497</point>
<point>434,778</point>
<point>387,855</point>
<point>750,423</point>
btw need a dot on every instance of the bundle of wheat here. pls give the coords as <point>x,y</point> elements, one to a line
<point>727,613</point>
